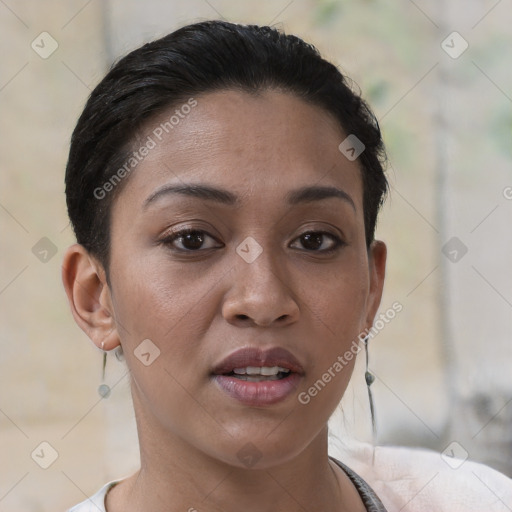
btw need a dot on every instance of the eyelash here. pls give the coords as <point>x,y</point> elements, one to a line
<point>168,240</point>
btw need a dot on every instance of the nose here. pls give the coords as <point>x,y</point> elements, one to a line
<point>261,294</point>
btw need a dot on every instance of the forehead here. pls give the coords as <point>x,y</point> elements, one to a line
<point>259,146</point>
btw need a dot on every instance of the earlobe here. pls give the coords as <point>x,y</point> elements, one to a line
<point>89,296</point>
<point>377,255</point>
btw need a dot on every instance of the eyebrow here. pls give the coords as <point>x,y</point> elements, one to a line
<point>305,194</point>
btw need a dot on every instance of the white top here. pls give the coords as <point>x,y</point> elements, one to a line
<point>408,480</point>
<point>95,503</point>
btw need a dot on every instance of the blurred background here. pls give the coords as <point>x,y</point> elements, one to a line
<point>439,78</point>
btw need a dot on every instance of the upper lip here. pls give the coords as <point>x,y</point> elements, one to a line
<point>253,356</point>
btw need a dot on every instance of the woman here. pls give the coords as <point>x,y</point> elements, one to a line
<point>224,183</point>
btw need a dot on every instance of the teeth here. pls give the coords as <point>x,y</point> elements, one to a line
<point>266,371</point>
<point>257,378</point>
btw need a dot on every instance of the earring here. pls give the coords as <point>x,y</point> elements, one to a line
<point>370,379</point>
<point>119,353</point>
<point>104,389</point>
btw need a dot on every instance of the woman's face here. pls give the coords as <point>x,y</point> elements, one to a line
<point>269,266</point>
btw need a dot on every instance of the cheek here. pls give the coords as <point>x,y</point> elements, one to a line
<point>337,302</point>
<point>173,307</point>
<point>156,300</point>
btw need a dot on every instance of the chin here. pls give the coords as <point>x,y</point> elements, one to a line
<point>259,451</point>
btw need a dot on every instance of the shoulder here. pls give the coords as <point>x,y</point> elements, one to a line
<point>95,503</point>
<point>419,480</point>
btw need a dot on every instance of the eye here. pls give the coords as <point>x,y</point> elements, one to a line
<point>316,241</point>
<point>191,240</point>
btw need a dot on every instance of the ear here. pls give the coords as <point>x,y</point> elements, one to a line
<point>377,266</point>
<point>89,297</point>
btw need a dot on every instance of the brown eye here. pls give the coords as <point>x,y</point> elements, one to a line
<point>319,241</point>
<point>191,240</point>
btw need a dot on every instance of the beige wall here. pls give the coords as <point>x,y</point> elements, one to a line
<point>443,364</point>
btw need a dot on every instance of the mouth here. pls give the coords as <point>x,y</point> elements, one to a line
<point>259,374</point>
<point>258,378</point>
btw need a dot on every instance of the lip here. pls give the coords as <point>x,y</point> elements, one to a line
<point>264,393</point>
<point>252,356</point>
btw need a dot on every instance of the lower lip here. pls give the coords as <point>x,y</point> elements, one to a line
<point>258,393</point>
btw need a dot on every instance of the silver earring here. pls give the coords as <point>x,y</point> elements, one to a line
<point>370,379</point>
<point>119,353</point>
<point>104,389</point>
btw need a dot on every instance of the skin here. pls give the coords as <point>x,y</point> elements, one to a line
<point>198,307</point>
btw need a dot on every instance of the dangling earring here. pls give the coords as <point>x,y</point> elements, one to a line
<point>119,353</point>
<point>104,389</point>
<point>370,379</point>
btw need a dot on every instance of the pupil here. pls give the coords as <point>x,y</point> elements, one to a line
<point>316,240</point>
<point>189,239</point>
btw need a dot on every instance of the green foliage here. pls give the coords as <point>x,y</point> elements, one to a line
<point>327,11</point>
<point>377,92</point>
<point>501,131</point>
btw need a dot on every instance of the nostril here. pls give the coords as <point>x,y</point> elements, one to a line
<point>242,317</point>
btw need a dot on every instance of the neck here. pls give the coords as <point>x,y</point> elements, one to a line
<point>177,476</point>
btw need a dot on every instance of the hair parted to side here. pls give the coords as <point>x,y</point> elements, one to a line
<point>195,59</point>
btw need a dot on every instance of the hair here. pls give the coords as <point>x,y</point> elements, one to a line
<point>196,59</point>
